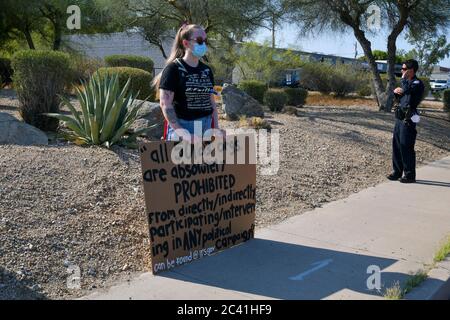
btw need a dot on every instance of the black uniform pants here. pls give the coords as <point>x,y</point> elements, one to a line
<point>403,154</point>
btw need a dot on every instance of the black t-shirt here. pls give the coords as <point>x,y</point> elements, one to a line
<point>192,88</point>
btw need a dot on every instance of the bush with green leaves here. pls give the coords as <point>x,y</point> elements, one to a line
<point>364,89</point>
<point>364,86</point>
<point>107,112</point>
<point>40,77</point>
<point>317,77</point>
<point>437,95</point>
<point>140,80</point>
<point>122,60</point>
<point>83,67</point>
<point>296,96</point>
<point>6,72</point>
<point>254,88</point>
<point>344,80</point>
<point>446,97</point>
<point>275,100</point>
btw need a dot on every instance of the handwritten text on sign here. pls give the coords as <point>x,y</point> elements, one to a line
<point>195,210</point>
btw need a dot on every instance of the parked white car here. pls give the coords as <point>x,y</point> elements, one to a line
<point>438,85</point>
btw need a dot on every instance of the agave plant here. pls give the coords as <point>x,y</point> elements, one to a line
<point>107,113</point>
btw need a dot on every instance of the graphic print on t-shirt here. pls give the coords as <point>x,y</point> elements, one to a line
<point>198,90</point>
<point>192,87</point>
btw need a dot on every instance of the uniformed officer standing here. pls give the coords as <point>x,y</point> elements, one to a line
<point>410,95</point>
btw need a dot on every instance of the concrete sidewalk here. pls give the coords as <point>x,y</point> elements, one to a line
<point>322,254</point>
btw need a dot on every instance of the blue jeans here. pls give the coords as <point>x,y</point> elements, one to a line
<point>189,125</point>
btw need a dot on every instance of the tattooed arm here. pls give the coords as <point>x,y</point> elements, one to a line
<point>166,102</point>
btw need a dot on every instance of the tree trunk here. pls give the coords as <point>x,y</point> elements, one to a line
<point>377,82</point>
<point>29,39</point>
<point>163,52</point>
<point>392,52</point>
<point>273,31</point>
<point>58,34</point>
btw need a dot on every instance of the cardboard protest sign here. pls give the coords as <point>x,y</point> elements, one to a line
<point>195,209</point>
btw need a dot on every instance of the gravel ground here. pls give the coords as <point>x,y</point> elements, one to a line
<point>65,205</point>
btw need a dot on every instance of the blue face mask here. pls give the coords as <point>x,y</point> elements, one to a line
<point>200,50</point>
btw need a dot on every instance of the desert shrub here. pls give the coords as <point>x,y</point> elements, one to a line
<point>254,88</point>
<point>275,100</point>
<point>340,79</point>
<point>437,95</point>
<point>108,110</point>
<point>6,72</point>
<point>344,79</point>
<point>364,86</point>
<point>317,77</point>
<point>254,122</point>
<point>296,96</point>
<point>83,67</point>
<point>40,77</point>
<point>364,90</point>
<point>290,110</point>
<point>140,80</point>
<point>138,62</point>
<point>446,97</point>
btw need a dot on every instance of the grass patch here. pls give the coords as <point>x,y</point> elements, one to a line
<point>415,281</point>
<point>397,292</point>
<point>443,251</point>
<point>394,292</point>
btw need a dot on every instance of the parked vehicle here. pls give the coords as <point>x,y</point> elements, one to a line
<point>439,85</point>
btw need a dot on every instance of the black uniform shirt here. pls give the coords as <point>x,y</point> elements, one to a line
<point>412,94</point>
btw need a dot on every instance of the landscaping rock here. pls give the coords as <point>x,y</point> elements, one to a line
<point>237,103</point>
<point>13,131</point>
<point>150,114</point>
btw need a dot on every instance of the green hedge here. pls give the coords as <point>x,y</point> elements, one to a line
<point>138,62</point>
<point>446,97</point>
<point>254,88</point>
<point>6,72</point>
<point>39,78</point>
<point>296,96</point>
<point>140,80</point>
<point>275,100</point>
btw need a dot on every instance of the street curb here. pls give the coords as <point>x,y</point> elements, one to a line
<point>436,286</point>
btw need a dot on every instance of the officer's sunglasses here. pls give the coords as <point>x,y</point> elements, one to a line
<point>200,40</point>
<point>404,69</point>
